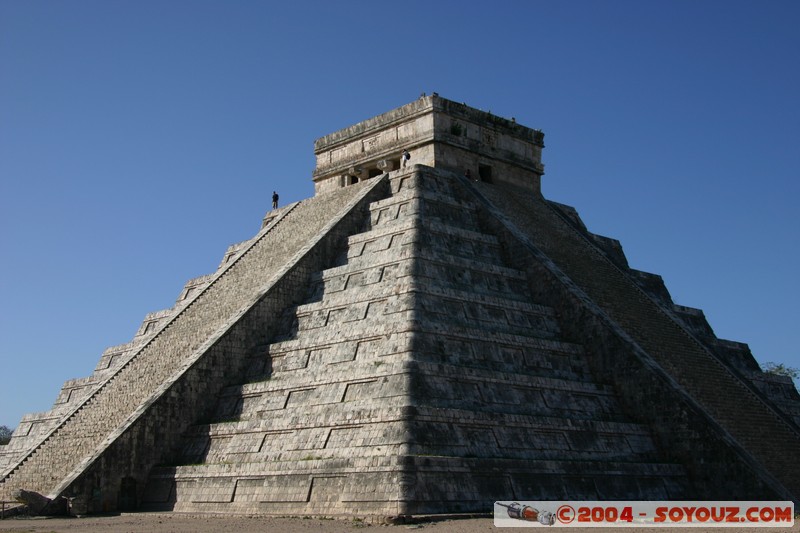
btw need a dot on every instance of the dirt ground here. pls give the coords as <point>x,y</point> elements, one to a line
<point>177,523</point>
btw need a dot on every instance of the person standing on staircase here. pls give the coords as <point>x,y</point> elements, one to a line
<point>274,200</point>
<point>404,158</point>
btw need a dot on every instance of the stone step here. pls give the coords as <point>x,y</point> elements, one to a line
<point>362,485</point>
<point>336,430</point>
<point>434,204</point>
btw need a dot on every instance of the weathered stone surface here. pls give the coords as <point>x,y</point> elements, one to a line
<point>41,505</point>
<point>438,133</point>
<point>416,342</point>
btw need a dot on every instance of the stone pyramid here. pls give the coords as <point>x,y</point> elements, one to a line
<point>416,339</point>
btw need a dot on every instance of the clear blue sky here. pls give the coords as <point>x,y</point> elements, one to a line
<point>138,139</point>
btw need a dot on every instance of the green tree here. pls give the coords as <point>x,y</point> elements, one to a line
<point>779,369</point>
<point>5,434</point>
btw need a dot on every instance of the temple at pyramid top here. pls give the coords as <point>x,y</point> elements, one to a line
<point>438,133</point>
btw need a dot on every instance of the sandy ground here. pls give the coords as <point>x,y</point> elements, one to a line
<point>176,523</point>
